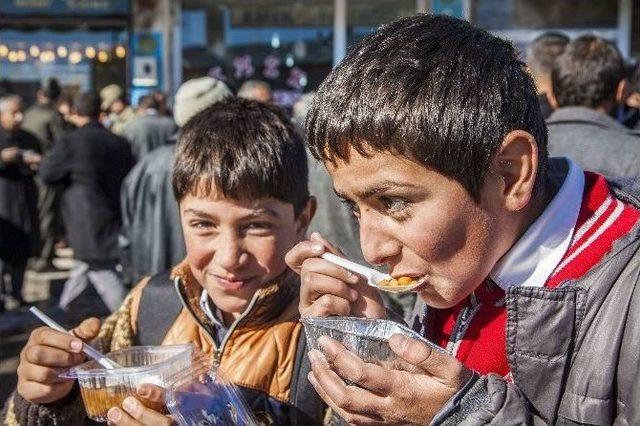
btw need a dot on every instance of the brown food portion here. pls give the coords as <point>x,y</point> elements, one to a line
<point>98,401</point>
<point>397,282</point>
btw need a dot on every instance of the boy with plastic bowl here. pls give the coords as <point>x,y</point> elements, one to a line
<point>240,178</point>
<point>431,131</point>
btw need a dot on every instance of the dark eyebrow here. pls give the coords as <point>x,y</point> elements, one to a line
<point>198,213</point>
<point>265,211</point>
<point>254,213</point>
<point>379,188</point>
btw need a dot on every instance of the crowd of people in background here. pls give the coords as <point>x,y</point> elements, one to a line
<point>102,177</point>
<point>93,173</point>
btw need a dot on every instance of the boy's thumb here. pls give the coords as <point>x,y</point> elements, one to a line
<point>87,329</point>
<point>441,366</point>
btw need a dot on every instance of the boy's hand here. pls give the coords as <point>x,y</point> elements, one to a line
<point>384,396</point>
<point>327,289</point>
<point>46,353</point>
<point>133,412</point>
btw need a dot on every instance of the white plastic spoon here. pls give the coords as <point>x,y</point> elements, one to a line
<point>374,278</point>
<point>93,353</point>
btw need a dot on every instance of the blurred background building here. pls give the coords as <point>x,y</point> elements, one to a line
<point>292,44</point>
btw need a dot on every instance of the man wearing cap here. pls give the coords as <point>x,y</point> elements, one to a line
<point>115,105</point>
<point>151,220</point>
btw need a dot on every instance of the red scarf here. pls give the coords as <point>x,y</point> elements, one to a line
<point>481,342</point>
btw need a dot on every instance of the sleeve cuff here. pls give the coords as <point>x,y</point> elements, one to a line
<point>473,393</point>
<point>69,410</point>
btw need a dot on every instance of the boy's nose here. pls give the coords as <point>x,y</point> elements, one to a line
<point>229,254</point>
<point>377,246</point>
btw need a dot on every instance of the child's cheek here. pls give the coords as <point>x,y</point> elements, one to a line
<point>198,253</point>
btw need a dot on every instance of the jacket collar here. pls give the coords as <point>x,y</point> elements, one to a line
<point>540,249</point>
<point>266,305</point>
<point>578,114</point>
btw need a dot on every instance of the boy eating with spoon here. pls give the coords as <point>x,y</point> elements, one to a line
<point>431,131</point>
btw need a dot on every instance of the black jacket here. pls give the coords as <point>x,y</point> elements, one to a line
<point>91,163</point>
<point>18,199</point>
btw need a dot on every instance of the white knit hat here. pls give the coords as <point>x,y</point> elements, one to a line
<point>196,95</point>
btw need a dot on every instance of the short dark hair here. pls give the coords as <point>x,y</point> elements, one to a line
<point>147,101</point>
<point>246,150</point>
<point>544,50</point>
<point>87,104</point>
<point>52,89</point>
<point>587,73</point>
<point>432,88</point>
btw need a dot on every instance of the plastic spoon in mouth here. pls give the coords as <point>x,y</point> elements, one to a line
<point>379,280</point>
<point>90,351</point>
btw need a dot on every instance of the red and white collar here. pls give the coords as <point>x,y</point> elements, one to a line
<point>534,257</point>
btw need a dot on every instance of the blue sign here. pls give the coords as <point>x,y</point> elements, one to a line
<point>147,64</point>
<point>65,7</point>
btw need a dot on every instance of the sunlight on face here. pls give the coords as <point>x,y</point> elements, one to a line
<point>420,223</point>
<point>236,246</point>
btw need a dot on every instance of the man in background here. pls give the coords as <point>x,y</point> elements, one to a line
<point>115,105</point>
<point>149,130</point>
<point>45,122</point>
<point>19,160</point>
<point>91,163</point>
<point>589,84</point>
<point>542,54</point>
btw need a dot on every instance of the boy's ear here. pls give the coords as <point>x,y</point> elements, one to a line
<point>306,216</point>
<point>623,91</point>
<point>516,164</point>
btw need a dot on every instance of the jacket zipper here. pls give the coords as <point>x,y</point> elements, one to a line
<point>463,321</point>
<point>219,350</point>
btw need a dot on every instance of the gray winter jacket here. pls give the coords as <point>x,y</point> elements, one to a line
<point>595,141</point>
<point>574,351</point>
<point>149,132</point>
<point>152,236</point>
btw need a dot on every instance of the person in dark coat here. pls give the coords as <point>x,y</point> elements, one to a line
<point>91,162</point>
<point>19,159</point>
<point>149,130</point>
<point>46,123</point>
<point>589,85</point>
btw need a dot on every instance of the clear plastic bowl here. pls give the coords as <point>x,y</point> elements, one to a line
<point>367,338</point>
<point>103,388</point>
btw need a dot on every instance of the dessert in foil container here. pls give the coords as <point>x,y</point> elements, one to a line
<point>367,338</point>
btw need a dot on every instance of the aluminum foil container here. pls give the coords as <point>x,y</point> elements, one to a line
<point>367,338</point>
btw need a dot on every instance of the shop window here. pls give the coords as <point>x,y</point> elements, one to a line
<point>364,16</point>
<point>288,44</point>
<point>541,14</point>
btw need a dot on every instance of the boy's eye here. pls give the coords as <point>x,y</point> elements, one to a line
<point>353,208</point>
<point>394,204</point>
<point>201,224</point>
<point>258,227</point>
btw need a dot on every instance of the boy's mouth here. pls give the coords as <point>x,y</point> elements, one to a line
<point>231,283</point>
